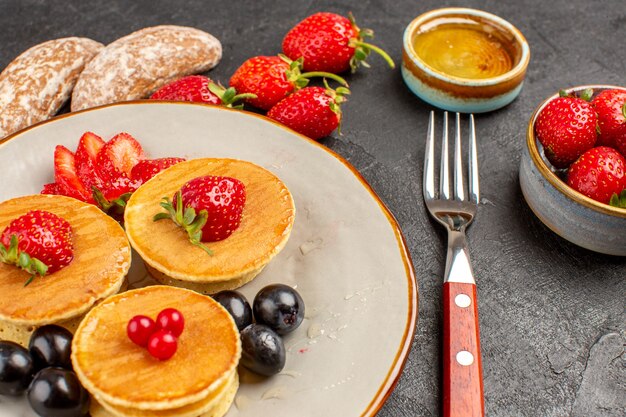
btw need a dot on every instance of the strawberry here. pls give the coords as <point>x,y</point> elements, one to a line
<point>115,162</point>
<point>52,188</point>
<point>208,208</point>
<point>598,173</point>
<point>199,89</point>
<point>272,78</point>
<point>148,168</point>
<point>86,153</point>
<point>65,175</point>
<point>330,42</point>
<point>39,242</point>
<point>566,127</point>
<point>611,108</point>
<point>313,111</point>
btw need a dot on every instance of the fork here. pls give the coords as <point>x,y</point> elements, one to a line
<point>462,369</point>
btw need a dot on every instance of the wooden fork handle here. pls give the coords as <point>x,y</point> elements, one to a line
<point>462,369</point>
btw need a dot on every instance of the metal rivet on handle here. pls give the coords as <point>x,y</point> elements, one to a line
<point>462,300</point>
<point>465,358</point>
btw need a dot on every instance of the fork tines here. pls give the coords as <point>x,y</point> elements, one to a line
<point>443,193</point>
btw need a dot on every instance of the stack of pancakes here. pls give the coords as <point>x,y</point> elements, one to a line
<point>200,380</point>
<point>266,225</point>
<point>101,260</point>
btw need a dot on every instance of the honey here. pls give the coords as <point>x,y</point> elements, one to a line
<point>464,49</point>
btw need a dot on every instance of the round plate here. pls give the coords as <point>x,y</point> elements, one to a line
<point>346,255</point>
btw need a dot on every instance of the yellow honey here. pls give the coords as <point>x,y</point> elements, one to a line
<point>463,50</point>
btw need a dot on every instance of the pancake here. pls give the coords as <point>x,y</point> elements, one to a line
<point>121,374</point>
<point>266,224</point>
<point>102,258</point>
<point>215,405</point>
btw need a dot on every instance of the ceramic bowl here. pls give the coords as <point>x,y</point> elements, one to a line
<point>454,93</point>
<point>575,217</point>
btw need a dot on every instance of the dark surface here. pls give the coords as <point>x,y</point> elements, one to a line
<point>552,315</point>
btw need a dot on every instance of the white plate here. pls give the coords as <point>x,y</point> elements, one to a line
<point>346,255</point>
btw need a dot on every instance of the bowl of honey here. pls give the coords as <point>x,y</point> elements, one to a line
<point>464,60</point>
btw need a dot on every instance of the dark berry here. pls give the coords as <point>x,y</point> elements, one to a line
<point>139,329</point>
<point>51,345</point>
<point>56,392</point>
<point>171,320</point>
<point>262,350</point>
<point>16,368</point>
<point>162,345</point>
<point>280,307</point>
<point>236,304</point>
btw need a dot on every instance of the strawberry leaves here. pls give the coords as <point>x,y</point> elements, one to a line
<point>186,218</point>
<point>115,206</point>
<point>363,49</point>
<point>229,95</point>
<point>618,200</point>
<point>13,256</point>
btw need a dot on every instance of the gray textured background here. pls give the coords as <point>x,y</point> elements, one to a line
<point>552,315</point>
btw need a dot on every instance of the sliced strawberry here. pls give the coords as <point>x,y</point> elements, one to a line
<point>86,154</point>
<point>52,188</point>
<point>148,168</point>
<point>118,157</point>
<point>115,162</point>
<point>113,190</point>
<point>65,175</point>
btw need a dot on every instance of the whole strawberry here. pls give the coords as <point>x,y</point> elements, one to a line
<point>598,173</point>
<point>199,89</point>
<point>566,127</point>
<point>330,42</point>
<point>148,168</point>
<point>272,78</point>
<point>38,242</point>
<point>611,108</point>
<point>209,208</point>
<point>313,111</point>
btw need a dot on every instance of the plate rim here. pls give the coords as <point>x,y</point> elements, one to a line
<point>393,375</point>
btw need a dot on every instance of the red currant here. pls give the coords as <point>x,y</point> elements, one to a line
<point>140,328</point>
<point>162,345</point>
<point>171,320</point>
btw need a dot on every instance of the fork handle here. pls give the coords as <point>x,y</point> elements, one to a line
<point>462,368</point>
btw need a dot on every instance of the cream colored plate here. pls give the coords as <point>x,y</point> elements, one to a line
<point>346,255</point>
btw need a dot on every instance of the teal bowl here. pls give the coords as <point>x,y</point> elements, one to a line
<point>454,93</point>
<point>570,214</point>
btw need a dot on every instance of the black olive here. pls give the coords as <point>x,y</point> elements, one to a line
<point>16,368</point>
<point>262,350</point>
<point>57,392</point>
<point>236,304</point>
<point>280,307</point>
<point>50,345</point>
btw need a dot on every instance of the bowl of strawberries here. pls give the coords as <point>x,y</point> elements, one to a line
<point>573,167</point>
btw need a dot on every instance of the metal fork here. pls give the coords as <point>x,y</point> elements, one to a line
<point>462,369</point>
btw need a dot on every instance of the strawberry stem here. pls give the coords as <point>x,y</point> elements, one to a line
<point>294,73</point>
<point>364,49</point>
<point>185,218</point>
<point>115,206</point>
<point>229,95</point>
<point>22,260</point>
<point>332,76</point>
<point>338,98</point>
<point>624,110</point>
